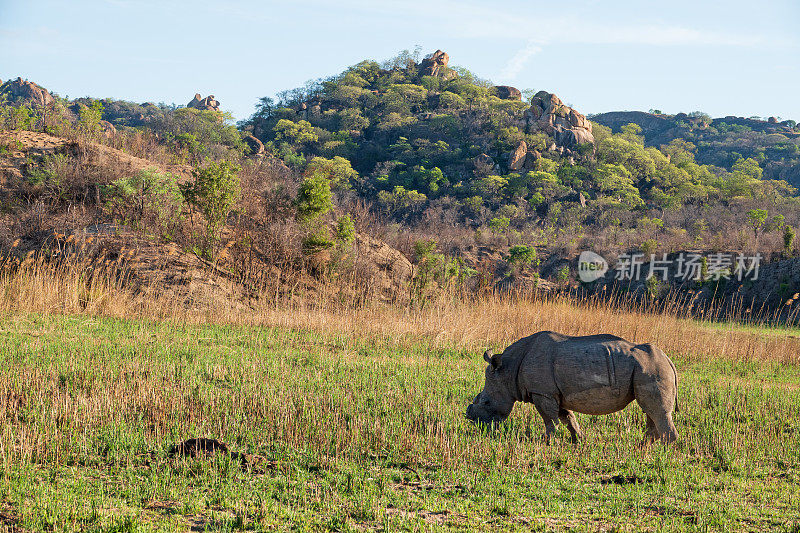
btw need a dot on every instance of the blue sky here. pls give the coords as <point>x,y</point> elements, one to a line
<point>733,57</point>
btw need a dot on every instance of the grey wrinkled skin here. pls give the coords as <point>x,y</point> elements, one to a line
<point>595,374</point>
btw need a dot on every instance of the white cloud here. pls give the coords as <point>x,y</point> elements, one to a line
<point>518,61</point>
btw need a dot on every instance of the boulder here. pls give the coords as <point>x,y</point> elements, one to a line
<point>506,92</point>
<point>531,158</point>
<point>484,160</point>
<point>550,115</point>
<point>204,104</point>
<point>433,64</point>
<point>107,129</point>
<point>20,89</point>
<point>517,158</point>
<point>386,270</point>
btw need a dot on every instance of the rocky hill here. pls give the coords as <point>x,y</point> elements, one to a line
<point>721,141</point>
<point>416,175</point>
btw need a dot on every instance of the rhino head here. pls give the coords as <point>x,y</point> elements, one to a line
<point>495,401</point>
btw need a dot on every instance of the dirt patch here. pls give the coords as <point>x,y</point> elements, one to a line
<point>23,146</point>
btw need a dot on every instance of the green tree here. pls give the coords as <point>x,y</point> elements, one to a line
<point>614,180</point>
<point>402,200</point>
<point>338,171</point>
<point>300,132</point>
<point>522,255</point>
<point>214,191</point>
<point>89,118</point>
<point>345,230</point>
<point>756,219</point>
<point>789,234</point>
<point>499,225</point>
<point>148,198</point>
<point>314,197</point>
<point>748,167</point>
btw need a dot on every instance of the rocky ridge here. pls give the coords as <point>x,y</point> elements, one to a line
<point>20,89</point>
<point>209,103</point>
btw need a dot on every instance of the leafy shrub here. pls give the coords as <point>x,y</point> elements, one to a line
<point>314,197</point>
<point>149,199</point>
<point>522,255</point>
<point>214,192</point>
<point>49,177</point>
<point>648,247</point>
<point>345,230</point>
<point>316,241</point>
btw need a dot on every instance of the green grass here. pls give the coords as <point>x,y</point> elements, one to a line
<point>361,434</point>
<point>760,330</point>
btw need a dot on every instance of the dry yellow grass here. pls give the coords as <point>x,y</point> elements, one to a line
<point>78,287</point>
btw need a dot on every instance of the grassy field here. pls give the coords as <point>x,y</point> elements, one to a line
<point>361,432</point>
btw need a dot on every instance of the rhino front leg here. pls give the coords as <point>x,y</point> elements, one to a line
<point>548,408</point>
<point>659,421</point>
<point>568,418</point>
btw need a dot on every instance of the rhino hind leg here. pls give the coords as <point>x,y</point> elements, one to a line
<point>568,418</point>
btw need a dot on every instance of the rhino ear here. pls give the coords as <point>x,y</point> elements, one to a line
<point>493,359</point>
<point>496,362</point>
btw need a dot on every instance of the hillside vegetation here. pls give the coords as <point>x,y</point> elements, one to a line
<point>444,149</point>
<point>477,185</point>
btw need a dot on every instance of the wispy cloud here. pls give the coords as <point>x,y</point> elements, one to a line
<point>457,18</point>
<point>518,61</point>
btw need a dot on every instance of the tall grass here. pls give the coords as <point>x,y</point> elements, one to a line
<point>101,287</point>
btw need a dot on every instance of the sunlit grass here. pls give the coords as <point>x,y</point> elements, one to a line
<point>360,433</point>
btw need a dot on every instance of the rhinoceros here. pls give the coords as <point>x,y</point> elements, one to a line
<point>595,374</point>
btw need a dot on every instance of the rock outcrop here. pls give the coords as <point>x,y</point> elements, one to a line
<point>517,158</point>
<point>506,92</point>
<point>550,115</point>
<point>205,104</point>
<point>386,270</point>
<point>433,65</point>
<point>256,146</point>
<point>20,89</point>
<point>484,161</point>
<point>108,130</point>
